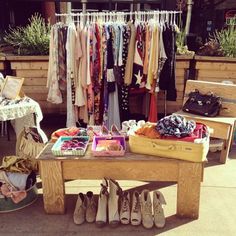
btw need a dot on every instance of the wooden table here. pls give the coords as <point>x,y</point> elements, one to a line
<point>55,170</point>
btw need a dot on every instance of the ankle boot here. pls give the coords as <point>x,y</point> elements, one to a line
<point>80,209</point>
<point>91,209</point>
<point>146,209</point>
<point>125,208</point>
<point>136,209</point>
<point>159,216</point>
<point>113,203</point>
<point>101,217</point>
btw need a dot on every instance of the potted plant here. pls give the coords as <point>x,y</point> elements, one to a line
<point>32,39</point>
<point>216,61</point>
<point>30,59</point>
<point>2,63</point>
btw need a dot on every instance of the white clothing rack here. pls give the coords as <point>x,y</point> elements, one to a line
<point>107,16</point>
<point>117,13</point>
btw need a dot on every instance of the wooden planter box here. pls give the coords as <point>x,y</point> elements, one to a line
<point>2,63</point>
<point>215,69</point>
<point>34,69</point>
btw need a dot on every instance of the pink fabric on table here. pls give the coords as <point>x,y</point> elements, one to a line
<point>198,133</point>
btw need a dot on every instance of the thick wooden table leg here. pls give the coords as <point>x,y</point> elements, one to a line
<point>188,193</point>
<point>226,146</point>
<point>53,187</point>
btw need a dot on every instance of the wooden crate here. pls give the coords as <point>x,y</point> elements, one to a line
<point>215,69</point>
<point>34,69</point>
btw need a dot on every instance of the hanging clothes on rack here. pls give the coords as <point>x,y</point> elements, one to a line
<point>97,73</point>
<point>162,59</point>
<point>113,104</point>
<point>62,37</point>
<point>167,76</point>
<point>81,83</point>
<point>54,92</point>
<point>101,61</point>
<point>130,57</point>
<point>137,78</point>
<point>71,74</point>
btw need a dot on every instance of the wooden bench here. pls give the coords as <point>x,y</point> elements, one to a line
<point>55,170</point>
<point>222,126</point>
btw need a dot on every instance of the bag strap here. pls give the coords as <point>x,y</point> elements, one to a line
<point>226,100</point>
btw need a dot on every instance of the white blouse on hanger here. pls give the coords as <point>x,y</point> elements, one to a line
<point>71,72</point>
<point>54,93</point>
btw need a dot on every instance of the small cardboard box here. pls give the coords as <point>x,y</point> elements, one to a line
<point>119,139</point>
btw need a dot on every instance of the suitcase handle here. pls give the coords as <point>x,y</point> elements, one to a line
<point>164,148</point>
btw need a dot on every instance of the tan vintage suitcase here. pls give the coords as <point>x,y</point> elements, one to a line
<point>189,151</point>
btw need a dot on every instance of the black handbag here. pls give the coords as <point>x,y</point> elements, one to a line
<point>203,104</point>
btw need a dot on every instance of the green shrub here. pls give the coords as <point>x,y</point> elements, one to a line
<point>181,42</point>
<point>32,39</point>
<point>227,41</point>
<point>182,48</point>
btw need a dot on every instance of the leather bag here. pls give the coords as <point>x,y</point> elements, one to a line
<point>203,104</point>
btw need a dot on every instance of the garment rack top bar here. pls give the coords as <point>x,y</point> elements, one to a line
<point>118,13</point>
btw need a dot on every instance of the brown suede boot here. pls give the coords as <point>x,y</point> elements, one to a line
<point>80,209</point>
<point>146,209</point>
